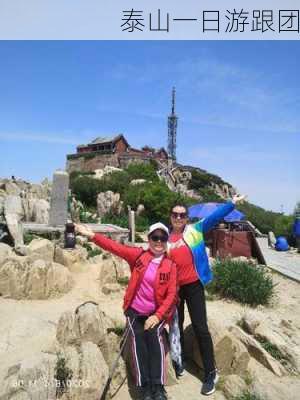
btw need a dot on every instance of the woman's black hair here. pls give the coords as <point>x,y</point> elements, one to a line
<point>177,204</point>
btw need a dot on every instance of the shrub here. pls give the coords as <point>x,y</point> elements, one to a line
<point>157,199</point>
<point>118,330</point>
<point>273,350</point>
<point>28,237</point>
<point>123,281</point>
<point>120,220</point>
<point>208,195</point>
<point>62,374</point>
<point>142,171</point>
<point>116,181</point>
<point>242,281</point>
<point>202,179</point>
<point>86,189</point>
<point>246,395</point>
<point>92,252</point>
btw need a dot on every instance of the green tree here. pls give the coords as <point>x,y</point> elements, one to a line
<point>297,210</point>
<point>142,171</point>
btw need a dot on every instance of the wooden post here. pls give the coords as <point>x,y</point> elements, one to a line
<point>131,224</point>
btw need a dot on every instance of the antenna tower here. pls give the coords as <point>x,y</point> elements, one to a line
<point>172,130</point>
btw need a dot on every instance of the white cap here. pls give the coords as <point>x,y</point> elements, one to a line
<point>156,226</point>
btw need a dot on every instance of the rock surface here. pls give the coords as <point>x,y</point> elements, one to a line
<point>20,278</point>
<point>74,259</point>
<point>108,202</point>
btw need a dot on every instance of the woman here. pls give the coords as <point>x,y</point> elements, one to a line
<point>149,303</point>
<point>187,250</point>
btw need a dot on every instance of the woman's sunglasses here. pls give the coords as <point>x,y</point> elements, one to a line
<point>178,215</point>
<point>157,238</point>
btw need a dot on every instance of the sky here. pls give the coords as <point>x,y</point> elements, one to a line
<point>237,102</point>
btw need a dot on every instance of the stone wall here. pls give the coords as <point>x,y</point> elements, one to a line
<point>92,163</point>
<point>99,161</point>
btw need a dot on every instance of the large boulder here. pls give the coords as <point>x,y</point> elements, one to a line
<point>89,372</point>
<point>40,212</point>
<point>107,270</point>
<point>5,252</point>
<point>135,182</point>
<point>99,173</point>
<point>22,279</point>
<point>231,355</point>
<point>108,202</point>
<point>41,249</point>
<point>257,351</point>
<point>31,378</point>
<point>88,323</point>
<point>110,288</point>
<point>234,386</point>
<point>74,259</point>
<point>12,188</point>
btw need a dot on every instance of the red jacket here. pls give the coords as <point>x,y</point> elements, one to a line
<point>165,287</point>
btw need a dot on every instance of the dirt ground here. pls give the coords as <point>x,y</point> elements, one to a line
<point>29,327</point>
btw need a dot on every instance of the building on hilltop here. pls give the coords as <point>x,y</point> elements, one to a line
<point>114,151</point>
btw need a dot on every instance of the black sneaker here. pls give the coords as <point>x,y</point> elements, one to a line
<point>209,383</point>
<point>146,393</point>
<point>159,393</point>
<point>179,369</point>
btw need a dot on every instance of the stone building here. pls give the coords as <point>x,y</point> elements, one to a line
<point>114,151</point>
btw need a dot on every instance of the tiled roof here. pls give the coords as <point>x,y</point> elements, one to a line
<point>108,139</point>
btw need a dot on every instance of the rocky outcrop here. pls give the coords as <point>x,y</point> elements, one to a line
<point>20,278</point>
<point>183,189</point>
<point>89,372</point>
<point>5,252</point>
<point>223,190</point>
<point>74,259</point>
<point>29,201</point>
<point>181,175</point>
<point>41,249</point>
<point>110,288</point>
<point>86,324</point>
<point>99,173</point>
<point>31,378</point>
<point>135,182</point>
<point>108,202</point>
<point>112,270</point>
<point>234,386</point>
<point>40,212</point>
<point>279,339</point>
<point>233,351</point>
<point>83,336</point>
<point>13,213</point>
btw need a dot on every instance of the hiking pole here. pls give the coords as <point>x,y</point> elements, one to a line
<point>115,363</point>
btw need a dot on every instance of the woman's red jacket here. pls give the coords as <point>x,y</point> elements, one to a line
<point>165,286</point>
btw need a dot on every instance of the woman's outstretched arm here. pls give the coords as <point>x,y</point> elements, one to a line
<point>221,212</point>
<point>128,253</point>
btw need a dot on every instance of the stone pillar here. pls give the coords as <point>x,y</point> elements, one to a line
<point>59,199</point>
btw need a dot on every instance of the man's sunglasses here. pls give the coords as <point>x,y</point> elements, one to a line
<point>157,238</point>
<point>178,215</point>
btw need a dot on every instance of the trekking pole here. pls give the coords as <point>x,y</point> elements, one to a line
<point>115,363</point>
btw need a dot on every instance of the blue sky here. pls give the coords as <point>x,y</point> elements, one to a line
<point>238,106</point>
